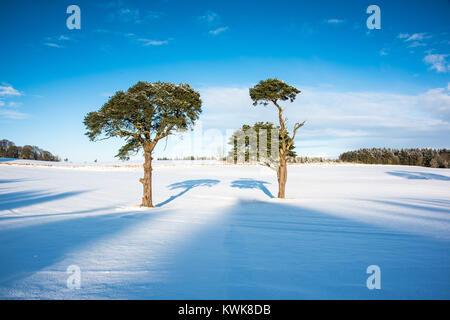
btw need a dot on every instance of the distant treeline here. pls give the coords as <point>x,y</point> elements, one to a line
<point>9,150</point>
<point>411,157</point>
<point>188,158</point>
<point>313,160</point>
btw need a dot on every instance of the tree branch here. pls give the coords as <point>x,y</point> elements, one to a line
<point>167,131</point>
<point>161,134</point>
<point>296,127</point>
<point>270,163</point>
<point>105,138</point>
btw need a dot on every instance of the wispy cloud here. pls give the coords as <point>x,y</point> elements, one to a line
<point>11,114</point>
<point>213,22</point>
<point>418,36</point>
<point>210,18</point>
<point>58,41</point>
<point>8,90</point>
<point>135,38</point>
<point>416,44</point>
<point>53,45</point>
<point>14,104</point>
<point>126,14</point>
<point>437,62</point>
<point>334,21</point>
<point>218,30</point>
<point>148,42</point>
<point>406,37</point>
<point>383,52</point>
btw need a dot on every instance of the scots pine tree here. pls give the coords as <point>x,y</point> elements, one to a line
<point>143,115</point>
<point>274,91</point>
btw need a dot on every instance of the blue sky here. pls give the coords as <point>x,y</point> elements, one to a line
<point>360,87</point>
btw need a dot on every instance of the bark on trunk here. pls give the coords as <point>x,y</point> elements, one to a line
<point>147,181</point>
<point>282,169</point>
<point>282,177</point>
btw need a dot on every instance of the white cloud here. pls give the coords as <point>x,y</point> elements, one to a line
<point>415,40</point>
<point>127,15</point>
<point>8,90</point>
<point>218,30</point>
<point>438,62</point>
<point>122,13</point>
<point>15,104</point>
<point>361,110</point>
<point>148,42</point>
<point>53,45</point>
<point>337,121</point>
<point>417,44</point>
<point>212,21</point>
<point>58,41</point>
<point>210,18</point>
<point>414,37</point>
<point>10,114</point>
<point>437,101</point>
<point>334,21</point>
<point>337,133</point>
<point>383,52</point>
<point>350,113</point>
<point>418,36</point>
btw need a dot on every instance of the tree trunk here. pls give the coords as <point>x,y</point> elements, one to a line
<point>282,177</point>
<point>147,181</point>
<point>282,169</point>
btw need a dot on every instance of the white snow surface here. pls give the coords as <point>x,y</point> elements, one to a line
<point>218,232</point>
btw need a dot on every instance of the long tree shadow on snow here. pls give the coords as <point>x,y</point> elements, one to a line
<point>265,250</point>
<point>418,175</point>
<point>29,249</point>
<point>11,180</point>
<point>425,206</point>
<point>187,185</point>
<point>259,250</point>
<point>19,199</point>
<point>252,184</point>
<point>59,214</point>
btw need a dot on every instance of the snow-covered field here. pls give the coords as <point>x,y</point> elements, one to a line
<point>218,233</point>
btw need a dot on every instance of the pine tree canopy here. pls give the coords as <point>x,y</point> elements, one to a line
<point>246,147</point>
<point>144,114</point>
<point>272,90</point>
